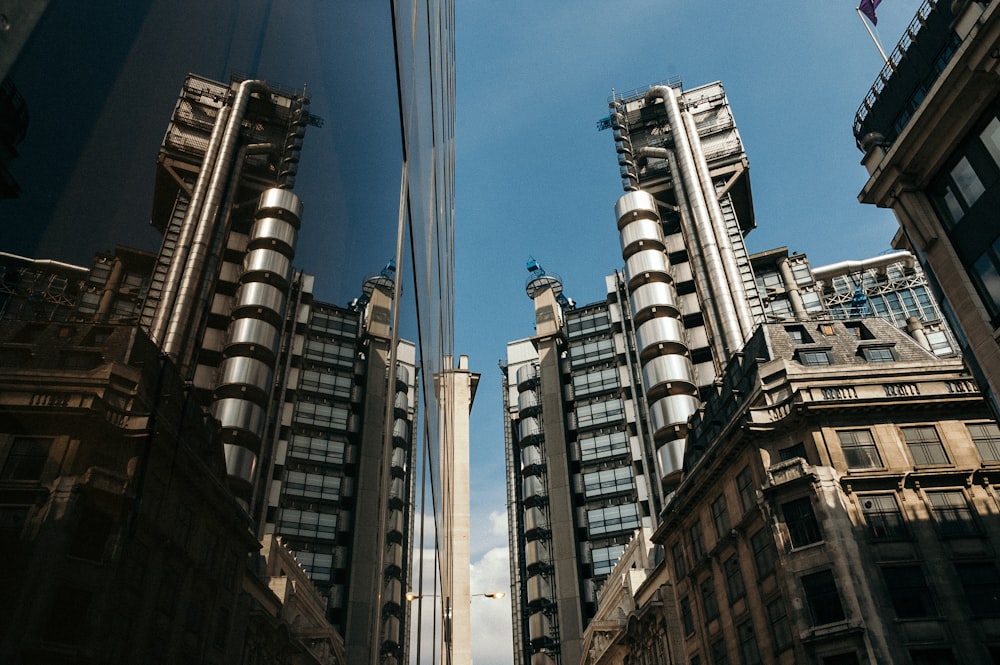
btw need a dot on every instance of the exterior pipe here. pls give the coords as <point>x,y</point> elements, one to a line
<point>728,319</point>
<point>733,277</point>
<point>846,267</point>
<point>792,289</point>
<point>713,317</point>
<point>187,292</point>
<point>164,310</point>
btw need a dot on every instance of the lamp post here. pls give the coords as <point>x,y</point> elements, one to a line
<point>447,610</point>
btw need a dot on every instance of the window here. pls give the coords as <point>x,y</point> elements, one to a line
<point>932,657</point>
<point>687,618</point>
<point>859,449</point>
<point>803,529</point>
<point>322,415</point>
<point>911,598</point>
<point>680,564</point>
<point>883,516</point>
<point>719,654</point>
<point>599,412</point>
<point>822,596</point>
<point>708,600</point>
<point>850,658</point>
<point>594,382</point>
<point>605,558</point>
<point>696,541</point>
<point>986,436</point>
<point>981,583</point>
<point>600,350</point>
<point>331,450</point>
<point>925,445</point>
<point>612,519</point>
<point>603,446</point>
<point>329,351</point>
<point>735,588</point>
<point>814,358</point>
<point>307,524</point>
<point>798,335</point>
<point>748,644</point>
<point>27,458</point>
<point>326,383</point>
<point>12,519</point>
<point>986,277</point>
<point>763,552</point>
<point>781,631</point>
<point>951,511</point>
<point>608,481</point>
<point>791,452</point>
<point>720,517</point>
<point>878,354</point>
<point>312,485</point>
<point>745,488</point>
<point>586,324</point>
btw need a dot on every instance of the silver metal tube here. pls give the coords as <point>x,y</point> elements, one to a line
<point>733,276</point>
<point>846,267</point>
<point>714,269</point>
<point>165,307</point>
<point>187,292</point>
<point>702,284</point>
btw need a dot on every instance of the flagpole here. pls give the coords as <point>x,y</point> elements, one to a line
<point>874,40</point>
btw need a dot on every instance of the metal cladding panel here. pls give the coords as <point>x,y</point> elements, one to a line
<point>391,630</point>
<point>526,373</point>
<point>537,552</point>
<point>653,294</point>
<point>279,233</point>
<point>394,523</point>
<point>280,203</point>
<point>239,414</point>
<point>672,373</point>
<point>240,462</point>
<point>273,263</point>
<point>534,518</point>
<point>394,554</point>
<point>543,658</point>
<point>259,294</point>
<point>531,456</point>
<point>402,401</point>
<point>401,429</point>
<point>670,412</point>
<point>641,234</point>
<point>648,260</point>
<point>663,330</point>
<point>539,589</point>
<point>670,459</point>
<point>639,202</point>
<point>540,626</point>
<point>242,370</point>
<point>529,426</point>
<point>397,489</point>
<point>533,487</point>
<point>528,400</point>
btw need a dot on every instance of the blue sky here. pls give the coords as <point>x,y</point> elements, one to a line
<point>535,177</point>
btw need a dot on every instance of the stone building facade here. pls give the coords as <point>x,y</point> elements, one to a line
<point>837,508</point>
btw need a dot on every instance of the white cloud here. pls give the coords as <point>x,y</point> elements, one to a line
<point>492,637</point>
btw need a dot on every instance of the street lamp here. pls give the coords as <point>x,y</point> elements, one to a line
<point>447,623</point>
<point>411,596</point>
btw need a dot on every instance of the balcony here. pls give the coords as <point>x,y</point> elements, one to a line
<point>914,65</point>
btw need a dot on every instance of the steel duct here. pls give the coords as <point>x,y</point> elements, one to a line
<point>705,237</point>
<point>668,375</point>
<point>251,352</point>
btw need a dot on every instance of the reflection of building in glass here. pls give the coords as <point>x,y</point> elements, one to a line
<point>220,295</point>
<point>930,130</point>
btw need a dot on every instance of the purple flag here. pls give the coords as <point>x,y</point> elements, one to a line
<point>867,8</point>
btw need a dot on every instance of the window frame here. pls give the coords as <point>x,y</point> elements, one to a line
<point>917,440</point>
<point>857,447</point>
